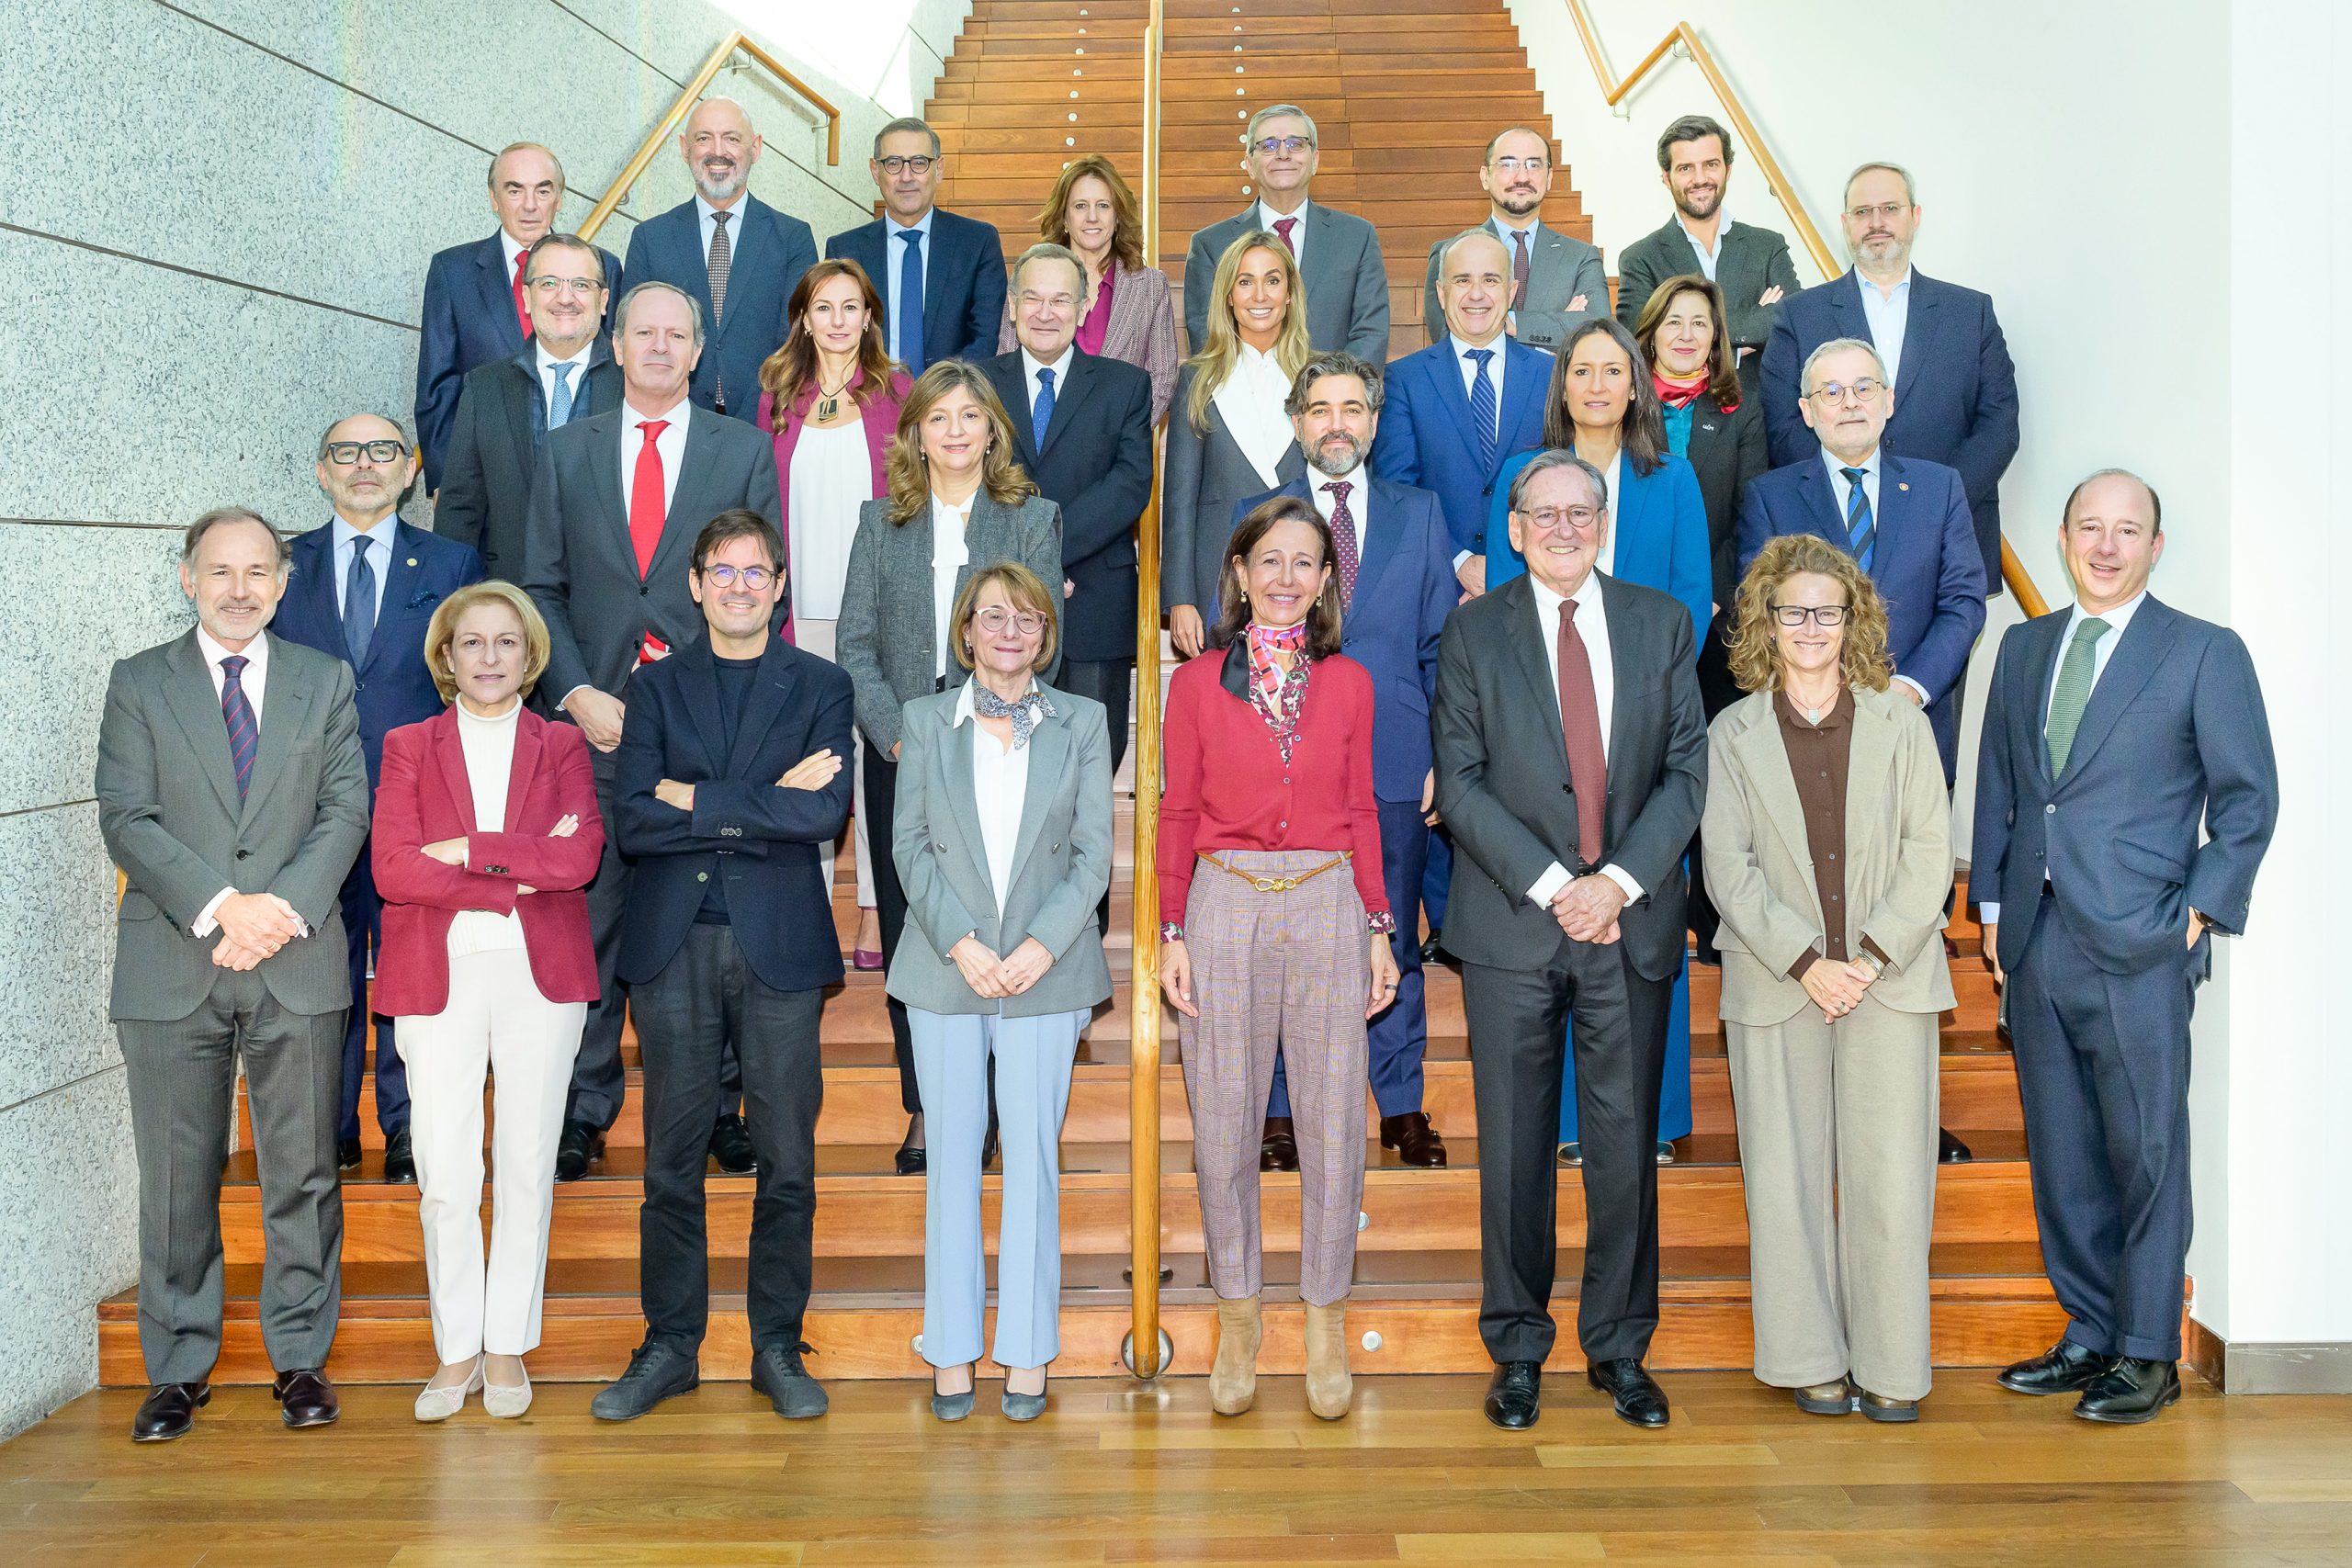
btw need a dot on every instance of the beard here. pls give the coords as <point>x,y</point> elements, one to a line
<point>1519,204</point>
<point>720,188</point>
<point>1695,211</point>
<point>1344,456</point>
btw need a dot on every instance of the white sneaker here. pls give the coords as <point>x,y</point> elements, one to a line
<point>504,1401</point>
<point>440,1404</point>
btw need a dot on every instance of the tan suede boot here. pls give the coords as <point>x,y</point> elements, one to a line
<point>1328,1386</point>
<point>1233,1381</point>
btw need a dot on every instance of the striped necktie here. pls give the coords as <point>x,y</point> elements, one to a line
<point>245,734</point>
<point>1861,531</point>
<point>1483,411</point>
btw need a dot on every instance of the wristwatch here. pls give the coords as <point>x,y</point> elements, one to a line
<point>1870,963</point>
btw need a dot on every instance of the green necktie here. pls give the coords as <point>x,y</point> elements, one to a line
<point>2073,691</point>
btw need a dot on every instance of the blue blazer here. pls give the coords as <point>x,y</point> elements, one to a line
<point>1955,393</point>
<point>1405,589</point>
<point>1426,439</point>
<point>963,282</point>
<point>1661,537</point>
<point>469,319</point>
<point>391,686</point>
<point>1925,565</point>
<point>772,250</point>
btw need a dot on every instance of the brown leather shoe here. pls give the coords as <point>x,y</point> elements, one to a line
<point>168,1411</point>
<point>305,1398</point>
<point>1278,1150</point>
<point>1415,1141</point>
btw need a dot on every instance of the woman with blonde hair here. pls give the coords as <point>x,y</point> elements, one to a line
<point>1093,212</point>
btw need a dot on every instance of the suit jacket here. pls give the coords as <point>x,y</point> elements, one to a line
<point>391,685</point>
<point>169,812</point>
<point>578,562</point>
<point>770,250</point>
<point>1760,867</point>
<point>764,845</point>
<point>2174,737</point>
<point>1428,437</point>
<point>1559,268</point>
<point>963,281</point>
<point>1096,466</point>
<point>1925,565</point>
<point>1347,283</point>
<point>1204,476</point>
<point>880,421</point>
<point>427,796</point>
<point>494,444</point>
<point>469,319</point>
<point>1955,393</point>
<point>1141,331</point>
<point>1661,532</point>
<point>1748,260</point>
<point>1503,784</point>
<point>885,637</point>
<point>1727,452</point>
<point>1061,858</point>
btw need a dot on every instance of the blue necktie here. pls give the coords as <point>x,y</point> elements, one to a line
<point>358,603</point>
<point>1482,408</point>
<point>1862,533</point>
<point>559,412</point>
<point>911,302</point>
<point>1042,414</point>
<point>244,735</point>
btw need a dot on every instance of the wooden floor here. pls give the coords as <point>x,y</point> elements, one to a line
<point>1118,1473</point>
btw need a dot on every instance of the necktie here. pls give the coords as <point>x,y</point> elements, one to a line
<point>1518,270</point>
<point>1482,408</point>
<point>1343,539</point>
<point>560,410</point>
<point>358,603</point>
<point>522,316</point>
<point>2074,691</point>
<point>647,504</point>
<point>1041,414</point>
<point>721,260</point>
<point>1580,728</point>
<point>1283,225</point>
<point>244,735</point>
<point>911,302</point>
<point>1861,532</point>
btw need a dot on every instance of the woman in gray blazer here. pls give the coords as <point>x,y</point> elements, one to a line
<point>1828,847</point>
<point>956,497</point>
<point>1002,839</point>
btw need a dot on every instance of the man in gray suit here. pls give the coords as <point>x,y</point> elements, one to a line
<point>615,509</point>
<point>1338,253</point>
<point>1557,282</point>
<point>1750,265</point>
<point>234,794</point>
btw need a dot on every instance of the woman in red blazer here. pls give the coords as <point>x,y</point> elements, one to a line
<point>486,834</point>
<point>830,398</point>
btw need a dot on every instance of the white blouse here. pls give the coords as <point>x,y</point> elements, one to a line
<point>1251,399</point>
<point>833,475</point>
<point>489,745</point>
<point>999,791</point>
<point>949,552</point>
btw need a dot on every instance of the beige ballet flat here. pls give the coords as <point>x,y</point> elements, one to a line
<point>506,1401</point>
<point>440,1404</point>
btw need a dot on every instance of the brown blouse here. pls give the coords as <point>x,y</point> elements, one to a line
<point>1818,761</point>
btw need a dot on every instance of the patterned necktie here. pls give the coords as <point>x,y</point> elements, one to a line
<point>1343,539</point>
<point>1041,414</point>
<point>720,261</point>
<point>560,410</point>
<point>647,504</point>
<point>2073,691</point>
<point>1483,411</point>
<point>910,332</point>
<point>522,315</point>
<point>1283,225</point>
<point>358,603</point>
<point>1518,270</point>
<point>244,735</point>
<point>1861,532</point>
<point>1580,729</point>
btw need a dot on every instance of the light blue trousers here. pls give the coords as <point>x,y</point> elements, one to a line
<point>1032,1057</point>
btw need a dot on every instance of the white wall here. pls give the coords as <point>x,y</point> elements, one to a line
<point>892,57</point>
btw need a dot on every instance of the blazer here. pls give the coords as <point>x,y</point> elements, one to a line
<point>963,281</point>
<point>885,638</point>
<point>1748,260</point>
<point>1061,860</point>
<point>1727,451</point>
<point>2175,736</point>
<point>427,796</point>
<point>1141,331</point>
<point>1559,268</point>
<point>468,320</point>
<point>1760,868</point>
<point>1661,530</point>
<point>1955,394</point>
<point>579,567</point>
<point>881,422</point>
<point>769,251</point>
<point>764,845</point>
<point>1428,438</point>
<point>1925,565</point>
<point>1096,466</point>
<point>391,685</point>
<point>1503,784</point>
<point>169,813</point>
<point>1204,478</point>
<point>494,444</point>
<point>1347,283</point>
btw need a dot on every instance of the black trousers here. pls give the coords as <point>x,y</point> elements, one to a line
<point>363,930</point>
<point>1518,1022</point>
<point>1108,681</point>
<point>890,903</point>
<point>706,998</point>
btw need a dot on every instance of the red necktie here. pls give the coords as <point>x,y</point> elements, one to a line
<point>1283,225</point>
<point>1343,539</point>
<point>1580,728</point>
<point>522,316</point>
<point>646,502</point>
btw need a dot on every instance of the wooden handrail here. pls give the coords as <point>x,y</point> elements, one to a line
<point>686,100</point>
<point>2013,572</point>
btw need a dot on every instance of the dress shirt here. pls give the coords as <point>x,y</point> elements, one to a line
<point>1251,401</point>
<point>1708,258</point>
<point>670,444</point>
<point>1031,365</point>
<point>705,222</point>
<point>488,744</point>
<point>1469,369</point>
<point>1820,756</point>
<point>1592,625</point>
<point>1842,489</point>
<point>1359,501</point>
<point>255,681</point>
<point>949,552</point>
<point>379,561</point>
<point>1000,790</point>
<point>894,256</point>
<point>1606,561</point>
<point>1533,229</point>
<point>514,250</point>
<point>1889,317</point>
<point>578,378</point>
<point>1266,216</point>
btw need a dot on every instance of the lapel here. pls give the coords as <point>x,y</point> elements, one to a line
<point>1454,395</point>
<point>686,261</point>
<point>748,253</point>
<point>963,805</point>
<point>1765,758</point>
<point>601,435</point>
<point>1896,532</point>
<point>2041,666</point>
<point>1049,748</point>
<point>698,673</point>
<point>1009,374</point>
<point>525,418</point>
<point>312,581</point>
<point>1870,755</point>
<point>1068,398</point>
<point>497,289</point>
<point>776,678</point>
<point>285,702</point>
<point>1919,330</point>
<point>1525,625</point>
<point>1525,385</point>
<point>694,465</point>
<point>448,749</point>
<point>1124,329</point>
<point>1846,300</point>
<point>1821,500</point>
<point>1623,634</point>
<point>1319,224</point>
<point>1737,249</point>
<point>2138,653</point>
<point>935,271</point>
<point>1383,527</point>
<point>400,569</point>
<point>197,707</point>
<point>523,773</point>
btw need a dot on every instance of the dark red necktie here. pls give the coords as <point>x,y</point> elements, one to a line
<point>522,314</point>
<point>1343,539</point>
<point>1580,728</point>
<point>1283,225</point>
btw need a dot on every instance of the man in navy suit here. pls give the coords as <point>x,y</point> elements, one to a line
<point>732,254</point>
<point>2116,728</point>
<point>940,276</point>
<point>1955,390</point>
<point>363,588</point>
<point>475,309</point>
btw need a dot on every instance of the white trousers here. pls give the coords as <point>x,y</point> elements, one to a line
<point>496,1021</point>
<point>818,638</point>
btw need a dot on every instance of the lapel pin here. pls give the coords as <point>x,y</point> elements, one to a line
<point>1899,485</point>
<point>412,560</point>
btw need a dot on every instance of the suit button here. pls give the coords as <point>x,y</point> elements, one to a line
<point>2049,811</point>
<point>1054,845</point>
<point>357,686</point>
<point>702,876</point>
<point>644,591</point>
<point>244,854</point>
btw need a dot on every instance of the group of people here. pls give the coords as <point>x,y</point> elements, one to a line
<point>763,559</point>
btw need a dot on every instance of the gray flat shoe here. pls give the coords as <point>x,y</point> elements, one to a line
<point>1024,1406</point>
<point>952,1406</point>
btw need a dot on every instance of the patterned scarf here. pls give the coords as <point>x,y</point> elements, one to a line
<point>1024,713</point>
<point>1277,697</point>
<point>1677,394</point>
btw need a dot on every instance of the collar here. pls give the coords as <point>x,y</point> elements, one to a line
<point>705,211</point>
<point>1547,604</point>
<point>345,530</point>
<point>1268,214</point>
<point>511,248</point>
<point>1902,290</point>
<point>257,652</point>
<point>941,509</point>
<point>966,702</point>
<point>1317,478</point>
<point>1872,465</point>
<point>1504,227</point>
<point>1723,229</point>
<point>892,228</point>
<point>544,359</point>
<point>1462,347</point>
<point>1031,365</point>
<point>675,415</point>
<point>1840,714</point>
<point>2116,619</point>
<point>468,718</point>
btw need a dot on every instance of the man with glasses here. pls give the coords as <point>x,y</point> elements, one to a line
<point>1556,283</point>
<point>477,308</point>
<point>735,256</point>
<point>940,276</point>
<point>1750,265</point>
<point>1955,390</point>
<point>1338,253</point>
<point>362,589</point>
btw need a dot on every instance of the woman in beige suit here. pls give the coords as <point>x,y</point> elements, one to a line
<point>1829,848</point>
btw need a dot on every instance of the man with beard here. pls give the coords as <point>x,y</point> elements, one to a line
<point>940,276</point>
<point>1556,279</point>
<point>733,255</point>
<point>1751,266</point>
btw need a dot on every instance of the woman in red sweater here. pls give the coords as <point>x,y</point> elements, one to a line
<point>1274,928</point>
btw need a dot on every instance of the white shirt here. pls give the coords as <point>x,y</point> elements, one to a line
<point>1707,256</point>
<point>1031,365</point>
<point>894,256</point>
<point>1266,217</point>
<point>1251,400</point>
<point>1359,498</point>
<point>949,552</point>
<point>670,444</point>
<point>489,746</point>
<point>1841,489</point>
<point>254,680</point>
<point>578,377</point>
<point>831,476</point>
<point>1889,318</point>
<point>379,561</point>
<point>999,791</point>
<point>1592,625</point>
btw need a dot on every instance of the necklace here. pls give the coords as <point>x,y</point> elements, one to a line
<point>829,402</point>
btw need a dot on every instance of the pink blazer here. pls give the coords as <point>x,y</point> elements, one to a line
<point>425,796</point>
<point>881,424</point>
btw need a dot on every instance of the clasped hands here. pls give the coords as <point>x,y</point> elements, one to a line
<point>1835,986</point>
<point>252,927</point>
<point>994,977</point>
<point>1588,908</point>
<point>813,772</point>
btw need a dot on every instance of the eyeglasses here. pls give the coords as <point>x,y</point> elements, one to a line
<point>1830,615</point>
<point>342,453</point>
<point>995,617</point>
<point>1513,165</point>
<point>1270,145</point>
<point>919,164</point>
<point>754,577</point>
<point>1885,212</point>
<point>1550,517</point>
<point>556,285</point>
<point>1831,394</point>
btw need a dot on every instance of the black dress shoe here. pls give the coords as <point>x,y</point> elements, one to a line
<point>1415,1141</point>
<point>1515,1394</point>
<point>1433,950</point>
<point>400,1159</point>
<point>1630,1389</point>
<point>2065,1368</point>
<point>911,1159</point>
<point>730,1145</point>
<point>1278,1149</point>
<point>1951,1150</point>
<point>168,1411</point>
<point>305,1398</point>
<point>346,1154</point>
<point>988,1148</point>
<point>581,1146</point>
<point>2130,1391</point>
